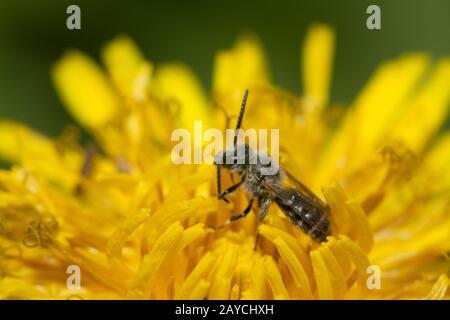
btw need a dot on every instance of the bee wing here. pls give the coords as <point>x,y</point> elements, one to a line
<point>303,210</point>
<point>305,191</point>
<point>290,199</point>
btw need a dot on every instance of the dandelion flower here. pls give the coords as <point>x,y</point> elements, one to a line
<point>137,225</point>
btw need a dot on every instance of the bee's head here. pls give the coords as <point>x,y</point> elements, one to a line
<point>235,157</point>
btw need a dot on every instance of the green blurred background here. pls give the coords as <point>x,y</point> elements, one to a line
<point>33,34</point>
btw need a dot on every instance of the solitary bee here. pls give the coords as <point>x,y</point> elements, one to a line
<point>301,205</point>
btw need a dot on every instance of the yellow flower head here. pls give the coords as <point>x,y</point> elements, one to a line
<point>135,225</point>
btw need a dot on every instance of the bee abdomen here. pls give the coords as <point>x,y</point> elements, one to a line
<point>320,230</point>
<point>312,219</point>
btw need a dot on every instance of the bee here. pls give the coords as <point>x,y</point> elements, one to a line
<point>303,208</point>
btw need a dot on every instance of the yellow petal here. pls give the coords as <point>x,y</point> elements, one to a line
<point>273,233</point>
<point>341,256</point>
<point>435,166</point>
<point>177,84</point>
<point>16,289</point>
<point>177,211</point>
<point>164,246</point>
<point>391,207</point>
<point>38,153</point>
<point>120,235</point>
<point>294,265</point>
<point>235,291</point>
<point>200,290</point>
<point>397,251</point>
<point>336,197</point>
<point>380,103</point>
<point>200,272</point>
<point>242,67</point>
<point>322,276</point>
<point>127,67</point>
<point>337,277</point>
<point>361,227</point>
<point>192,234</point>
<point>317,62</point>
<point>349,217</point>
<point>84,89</point>
<point>371,117</point>
<point>221,286</point>
<point>427,111</point>
<point>358,258</point>
<point>257,288</point>
<point>275,280</point>
<point>9,136</point>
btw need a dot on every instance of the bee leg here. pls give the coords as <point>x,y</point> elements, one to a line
<point>232,177</point>
<point>236,216</point>
<point>263,204</point>
<point>244,213</point>
<point>230,189</point>
<point>219,185</point>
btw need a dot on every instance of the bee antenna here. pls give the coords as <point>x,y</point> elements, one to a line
<point>241,116</point>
